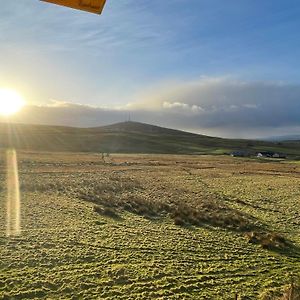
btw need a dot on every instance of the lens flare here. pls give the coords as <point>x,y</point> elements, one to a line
<point>13,222</point>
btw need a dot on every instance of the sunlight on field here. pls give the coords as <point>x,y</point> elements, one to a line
<point>150,227</point>
<point>13,204</point>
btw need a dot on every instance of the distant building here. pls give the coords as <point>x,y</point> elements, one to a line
<point>240,153</point>
<point>265,154</point>
<point>280,155</point>
<point>271,154</point>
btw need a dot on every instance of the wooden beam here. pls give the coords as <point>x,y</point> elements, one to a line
<point>93,6</point>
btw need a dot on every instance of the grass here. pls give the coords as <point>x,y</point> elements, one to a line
<point>151,226</point>
<point>288,292</point>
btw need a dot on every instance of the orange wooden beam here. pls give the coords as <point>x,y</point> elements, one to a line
<point>93,6</point>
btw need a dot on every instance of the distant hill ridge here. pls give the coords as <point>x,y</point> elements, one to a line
<point>131,126</point>
<point>282,138</point>
<point>127,137</point>
<point>138,127</point>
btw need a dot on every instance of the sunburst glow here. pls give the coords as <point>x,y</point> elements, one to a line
<point>10,102</point>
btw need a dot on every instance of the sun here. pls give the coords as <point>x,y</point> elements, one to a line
<point>10,102</point>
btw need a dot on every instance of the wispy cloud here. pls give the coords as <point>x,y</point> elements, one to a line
<point>95,58</point>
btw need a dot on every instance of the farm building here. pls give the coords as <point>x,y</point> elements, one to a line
<point>265,154</point>
<point>270,154</point>
<point>279,155</point>
<point>240,153</point>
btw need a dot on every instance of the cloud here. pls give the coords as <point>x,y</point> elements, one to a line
<point>227,103</point>
<point>179,106</point>
<point>57,103</point>
<point>216,106</point>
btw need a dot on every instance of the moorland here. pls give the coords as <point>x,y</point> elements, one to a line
<point>145,226</point>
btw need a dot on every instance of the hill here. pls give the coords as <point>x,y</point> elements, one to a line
<point>128,137</point>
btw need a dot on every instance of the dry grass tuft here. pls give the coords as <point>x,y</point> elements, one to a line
<point>268,240</point>
<point>289,292</point>
<point>108,212</point>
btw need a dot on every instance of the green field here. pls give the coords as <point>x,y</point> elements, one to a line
<point>106,229</point>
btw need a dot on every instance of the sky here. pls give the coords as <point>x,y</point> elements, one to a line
<point>224,68</point>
